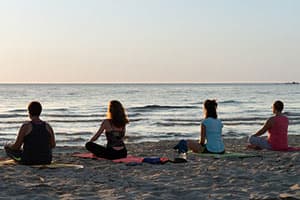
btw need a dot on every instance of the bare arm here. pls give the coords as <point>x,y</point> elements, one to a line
<point>23,131</point>
<point>267,126</point>
<point>52,136</point>
<point>99,132</point>
<point>203,134</point>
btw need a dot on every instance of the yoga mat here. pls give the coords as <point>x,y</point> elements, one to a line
<point>87,155</point>
<point>53,165</point>
<point>7,162</point>
<point>228,155</point>
<point>290,149</point>
<point>128,159</point>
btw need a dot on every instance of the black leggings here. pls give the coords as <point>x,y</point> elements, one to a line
<point>103,152</point>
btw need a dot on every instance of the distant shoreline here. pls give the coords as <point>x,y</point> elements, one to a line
<point>155,83</point>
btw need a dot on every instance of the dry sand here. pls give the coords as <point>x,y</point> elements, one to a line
<point>274,175</point>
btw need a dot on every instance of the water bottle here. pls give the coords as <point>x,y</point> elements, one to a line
<point>183,155</point>
<point>179,157</point>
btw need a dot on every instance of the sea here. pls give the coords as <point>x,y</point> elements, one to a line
<point>156,111</point>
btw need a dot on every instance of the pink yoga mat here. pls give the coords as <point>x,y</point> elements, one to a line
<point>291,149</point>
<point>128,159</point>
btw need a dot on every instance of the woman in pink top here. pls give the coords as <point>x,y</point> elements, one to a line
<point>277,127</point>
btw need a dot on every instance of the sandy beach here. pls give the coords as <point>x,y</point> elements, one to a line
<point>271,175</point>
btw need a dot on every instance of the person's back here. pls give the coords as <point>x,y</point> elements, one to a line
<point>115,137</point>
<point>36,147</point>
<point>210,140</point>
<point>36,137</point>
<point>214,134</point>
<point>278,133</point>
<point>114,127</point>
<point>277,127</point>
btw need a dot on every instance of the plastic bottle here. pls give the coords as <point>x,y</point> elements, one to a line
<point>183,155</point>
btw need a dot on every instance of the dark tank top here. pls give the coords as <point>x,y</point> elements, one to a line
<point>36,147</point>
<point>115,138</point>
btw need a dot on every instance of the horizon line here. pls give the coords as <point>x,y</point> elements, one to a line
<point>183,82</point>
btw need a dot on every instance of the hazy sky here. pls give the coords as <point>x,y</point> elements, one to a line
<point>149,41</point>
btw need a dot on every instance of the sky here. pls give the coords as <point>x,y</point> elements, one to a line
<point>147,41</point>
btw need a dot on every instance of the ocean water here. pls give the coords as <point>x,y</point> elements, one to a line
<point>156,111</point>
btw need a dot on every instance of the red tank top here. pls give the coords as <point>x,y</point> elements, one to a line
<point>278,134</point>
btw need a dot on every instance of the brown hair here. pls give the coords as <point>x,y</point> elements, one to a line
<point>211,108</point>
<point>116,113</point>
<point>35,108</point>
<point>278,105</point>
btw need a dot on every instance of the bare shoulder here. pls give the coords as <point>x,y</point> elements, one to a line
<point>25,128</point>
<point>48,127</point>
<point>270,121</point>
<point>47,124</point>
<point>26,125</point>
<point>106,122</point>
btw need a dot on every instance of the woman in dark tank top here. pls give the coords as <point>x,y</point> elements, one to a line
<point>115,137</point>
<point>36,137</point>
<point>114,127</point>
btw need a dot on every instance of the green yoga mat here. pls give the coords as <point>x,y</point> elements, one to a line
<point>228,155</point>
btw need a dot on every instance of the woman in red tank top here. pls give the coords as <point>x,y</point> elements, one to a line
<point>277,127</point>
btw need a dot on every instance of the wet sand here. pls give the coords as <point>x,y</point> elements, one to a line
<point>273,175</point>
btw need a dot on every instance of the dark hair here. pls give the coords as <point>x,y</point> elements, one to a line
<point>211,108</point>
<point>278,105</point>
<point>35,108</point>
<point>117,114</point>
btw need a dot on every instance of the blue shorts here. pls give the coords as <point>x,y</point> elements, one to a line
<point>260,142</point>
